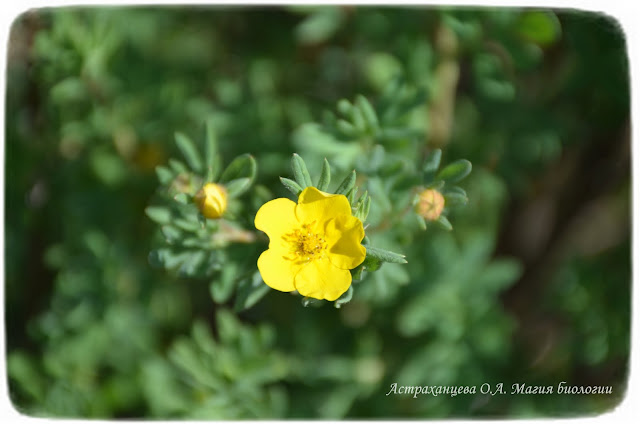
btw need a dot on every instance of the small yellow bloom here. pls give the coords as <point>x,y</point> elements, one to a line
<point>430,204</point>
<point>211,200</point>
<point>312,244</point>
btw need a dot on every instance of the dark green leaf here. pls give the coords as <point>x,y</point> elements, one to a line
<point>325,176</point>
<point>243,166</point>
<point>300,172</point>
<point>291,185</point>
<point>385,255</point>
<point>310,301</point>
<point>455,199</point>
<point>183,198</point>
<point>345,107</point>
<point>238,186</point>
<point>455,171</point>
<point>443,223</point>
<point>189,151</point>
<point>165,176</point>
<point>368,112</point>
<point>211,153</point>
<point>345,298</point>
<point>347,184</point>
<point>431,163</point>
<point>371,263</point>
<point>159,214</point>
<point>346,128</point>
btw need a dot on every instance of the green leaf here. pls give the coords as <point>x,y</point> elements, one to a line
<point>165,176</point>
<point>310,301</point>
<point>325,176</point>
<point>443,223</point>
<point>171,234</point>
<point>346,128</point>
<point>250,291</point>
<point>183,198</point>
<point>358,120</point>
<point>455,199</point>
<point>300,172</point>
<point>431,163</point>
<point>189,151</point>
<point>291,185</point>
<point>385,255</point>
<point>222,288</point>
<point>362,206</point>
<point>156,258</point>
<point>351,195</point>
<point>368,112</point>
<point>211,153</point>
<point>345,298</point>
<point>177,166</point>
<point>455,190</point>
<point>238,186</point>
<point>356,273</point>
<point>371,263</point>
<point>455,171</point>
<point>345,107</point>
<point>347,184</point>
<point>540,27</point>
<point>421,221</point>
<point>159,214</point>
<point>243,166</point>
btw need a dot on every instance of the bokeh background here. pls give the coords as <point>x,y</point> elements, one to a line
<point>532,285</point>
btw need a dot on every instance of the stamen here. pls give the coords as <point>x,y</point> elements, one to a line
<point>306,245</point>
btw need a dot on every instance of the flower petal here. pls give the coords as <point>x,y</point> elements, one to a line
<point>344,234</point>
<point>318,206</point>
<point>277,271</point>
<point>320,279</point>
<point>276,218</point>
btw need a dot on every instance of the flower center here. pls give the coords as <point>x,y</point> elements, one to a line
<point>306,244</point>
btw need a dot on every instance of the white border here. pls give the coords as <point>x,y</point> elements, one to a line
<point>625,12</point>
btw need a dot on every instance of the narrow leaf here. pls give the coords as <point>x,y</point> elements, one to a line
<point>455,199</point>
<point>211,153</point>
<point>291,185</point>
<point>432,162</point>
<point>243,166</point>
<point>345,107</point>
<point>183,198</point>
<point>300,172</point>
<point>385,255</point>
<point>346,128</point>
<point>455,171</point>
<point>371,264</point>
<point>347,184</point>
<point>443,223</point>
<point>325,176</point>
<point>368,112</point>
<point>189,151</point>
<point>159,214</point>
<point>310,301</point>
<point>164,174</point>
<point>238,186</point>
<point>345,298</point>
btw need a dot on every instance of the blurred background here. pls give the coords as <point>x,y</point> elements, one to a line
<point>532,285</point>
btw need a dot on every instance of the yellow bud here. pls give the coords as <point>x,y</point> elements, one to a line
<point>430,204</point>
<point>211,200</point>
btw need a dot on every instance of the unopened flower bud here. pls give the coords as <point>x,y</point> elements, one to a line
<point>211,200</point>
<point>430,204</point>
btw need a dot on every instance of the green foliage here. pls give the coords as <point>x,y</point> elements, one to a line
<point>124,301</point>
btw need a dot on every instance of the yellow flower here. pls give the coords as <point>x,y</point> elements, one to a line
<point>430,204</point>
<point>211,200</point>
<point>312,244</point>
